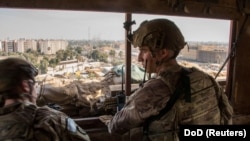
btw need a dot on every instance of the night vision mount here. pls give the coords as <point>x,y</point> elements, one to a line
<point>127,25</point>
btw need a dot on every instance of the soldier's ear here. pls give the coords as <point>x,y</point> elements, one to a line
<point>164,53</point>
<point>25,86</point>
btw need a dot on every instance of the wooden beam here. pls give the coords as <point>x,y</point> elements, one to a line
<point>128,21</point>
<point>241,75</point>
<point>222,9</point>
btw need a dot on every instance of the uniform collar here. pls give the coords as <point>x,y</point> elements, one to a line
<point>167,67</point>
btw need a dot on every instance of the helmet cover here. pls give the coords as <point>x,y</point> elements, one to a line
<point>158,34</point>
<point>13,70</point>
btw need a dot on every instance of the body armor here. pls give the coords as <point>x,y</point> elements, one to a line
<point>205,108</point>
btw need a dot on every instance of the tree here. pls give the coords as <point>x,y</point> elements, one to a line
<point>65,55</point>
<point>95,55</point>
<point>112,54</point>
<point>43,66</point>
<point>99,56</point>
<point>53,62</point>
<point>121,54</point>
<point>59,55</point>
<point>79,50</point>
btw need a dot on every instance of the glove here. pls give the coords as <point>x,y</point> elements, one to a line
<point>105,119</point>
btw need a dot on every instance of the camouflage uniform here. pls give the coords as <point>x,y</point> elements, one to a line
<point>27,122</point>
<point>20,120</point>
<point>153,97</point>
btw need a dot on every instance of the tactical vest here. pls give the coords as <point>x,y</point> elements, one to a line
<point>16,122</point>
<point>208,106</point>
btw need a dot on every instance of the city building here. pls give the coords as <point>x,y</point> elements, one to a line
<point>51,46</point>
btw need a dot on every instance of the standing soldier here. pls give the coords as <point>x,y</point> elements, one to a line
<point>177,96</point>
<point>20,118</point>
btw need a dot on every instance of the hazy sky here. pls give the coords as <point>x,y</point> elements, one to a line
<point>53,24</point>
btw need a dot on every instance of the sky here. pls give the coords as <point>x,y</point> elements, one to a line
<point>78,25</point>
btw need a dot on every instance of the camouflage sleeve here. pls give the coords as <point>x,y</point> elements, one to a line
<point>52,125</point>
<point>62,95</point>
<point>145,102</point>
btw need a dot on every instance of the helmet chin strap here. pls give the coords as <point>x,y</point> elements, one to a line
<point>144,77</point>
<point>31,88</point>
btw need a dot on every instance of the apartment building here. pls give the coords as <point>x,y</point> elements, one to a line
<point>51,46</point>
<point>8,46</point>
<point>43,46</point>
<point>20,45</point>
<point>30,44</point>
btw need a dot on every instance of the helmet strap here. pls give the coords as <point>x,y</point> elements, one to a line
<point>144,77</point>
<point>31,90</point>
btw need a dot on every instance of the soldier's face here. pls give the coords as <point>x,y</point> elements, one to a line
<point>34,94</point>
<point>147,60</point>
<point>30,88</point>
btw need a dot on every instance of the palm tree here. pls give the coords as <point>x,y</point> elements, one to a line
<point>112,54</point>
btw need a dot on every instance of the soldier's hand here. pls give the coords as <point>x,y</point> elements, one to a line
<point>105,118</point>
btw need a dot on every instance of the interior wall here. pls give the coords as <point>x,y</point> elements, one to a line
<point>241,80</point>
<point>222,9</point>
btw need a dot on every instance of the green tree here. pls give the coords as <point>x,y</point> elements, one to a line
<point>79,50</point>
<point>43,66</point>
<point>59,54</point>
<point>65,55</point>
<point>99,56</point>
<point>103,57</point>
<point>112,54</point>
<point>95,54</point>
<point>53,62</point>
<point>121,54</point>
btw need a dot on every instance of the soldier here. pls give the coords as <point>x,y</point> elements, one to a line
<point>177,96</point>
<point>20,118</point>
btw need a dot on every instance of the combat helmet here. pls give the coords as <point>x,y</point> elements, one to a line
<point>12,71</point>
<point>158,34</point>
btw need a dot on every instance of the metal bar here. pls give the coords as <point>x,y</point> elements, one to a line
<point>128,18</point>
<point>85,119</point>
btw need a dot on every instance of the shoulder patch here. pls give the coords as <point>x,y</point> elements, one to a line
<point>71,125</point>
